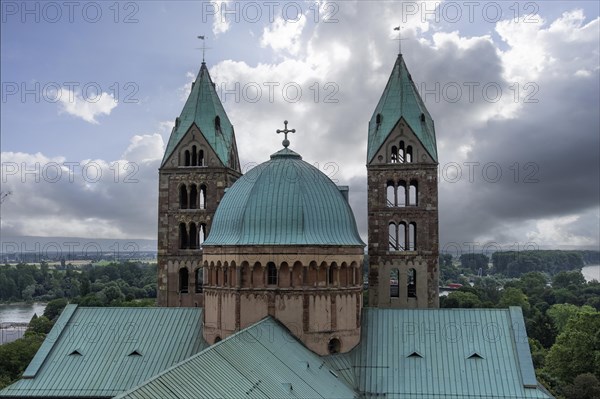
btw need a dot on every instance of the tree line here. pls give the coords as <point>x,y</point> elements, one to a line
<point>90,285</point>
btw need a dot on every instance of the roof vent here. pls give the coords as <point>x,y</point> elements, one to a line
<point>75,353</point>
<point>135,353</point>
<point>475,355</point>
<point>177,120</point>
<point>422,117</point>
<point>415,354</point>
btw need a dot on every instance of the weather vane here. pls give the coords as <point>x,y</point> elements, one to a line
<point>285,131</point>
<point>203,48</point>
<point>398,28</point>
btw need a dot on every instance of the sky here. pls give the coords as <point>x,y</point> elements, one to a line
<point>91,90</point>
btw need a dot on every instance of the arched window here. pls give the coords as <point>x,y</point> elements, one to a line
<point>271,273</point>
<point>203,197</point>
<point>334,346</point>
<point>244,275</point>
<point>201,158</point>
<point>217,273</point>
<point>183,197</point>
<point>199,280</point>
<point>183,280</point>
<point>193,197</point>
<point>412,236</point>
<point>187,158</point>
<point>409,154</point>
<point>201,234</point>
<point>331,274</point>
<point>412,193</point>
<point>411,283</point>
<point>193,236</point>
<point>402,193</point>
<point>402,237</point>
<point>394,289</point>
<point>391,194</point>
<point>394,155</point>
<point>194,155</point>
<point>393,237</point>
<point>183,236</point>
<point>401,152</point>
<point>225,271</point>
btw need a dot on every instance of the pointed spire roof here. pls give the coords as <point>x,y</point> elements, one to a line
<point>203,108</point>
<point>400,99</point>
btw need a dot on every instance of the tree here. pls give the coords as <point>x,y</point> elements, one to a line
<point>514,297</point>
<point>561,313</point>
<point>16,355</point>
<point>39,325</point>
<point>568,280</point>
<point>585,386</point>
<point>577,349</point>
<point>462,299</point>
<point>474,262</point>
<point>54,308</point>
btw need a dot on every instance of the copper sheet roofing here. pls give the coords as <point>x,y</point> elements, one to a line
<point>284,201</point>
<point>401,99</point>
<point>101,352</point>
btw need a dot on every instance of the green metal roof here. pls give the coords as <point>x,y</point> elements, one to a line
<point>401,99</point>
<point>441,342</point>
<point>284,201</point>
<point>102,352</point>
<point>201,108</point>
<point>262,361</point>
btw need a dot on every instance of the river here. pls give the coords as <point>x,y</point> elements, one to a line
<point>591,272</point>
<point>17,313</point>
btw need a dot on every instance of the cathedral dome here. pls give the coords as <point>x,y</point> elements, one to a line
<point>284,201</point>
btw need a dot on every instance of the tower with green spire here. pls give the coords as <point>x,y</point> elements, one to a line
<point>402,198</point>
<point>200,162</point>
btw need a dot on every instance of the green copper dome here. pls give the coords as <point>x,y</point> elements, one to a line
<point>284,201</point>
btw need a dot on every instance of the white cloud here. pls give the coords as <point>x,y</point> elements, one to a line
<point>91,198</point>
<point>185,90</point>
<point>144,148</point>
<point>86,108</point>
<point>221,22</point>
<point>284,35</point>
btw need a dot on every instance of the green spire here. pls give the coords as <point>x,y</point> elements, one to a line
<point>203,108</point>
<point>400,99</point>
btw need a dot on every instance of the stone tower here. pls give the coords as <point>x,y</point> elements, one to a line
<point>402,198</point>
<point>200,162</point>
<point>285,244</point>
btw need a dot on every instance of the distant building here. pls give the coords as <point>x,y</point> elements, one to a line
<point>261,284</point>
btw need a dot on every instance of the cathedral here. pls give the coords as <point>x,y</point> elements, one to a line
<point>261,281</point>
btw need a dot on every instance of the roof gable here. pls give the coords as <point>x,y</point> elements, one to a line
<point>204,109</point>
<point>261,361</point>
<point>88,352</point>
<point>401,99</point>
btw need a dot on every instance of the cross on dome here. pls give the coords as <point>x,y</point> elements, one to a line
<point>285,131</point>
